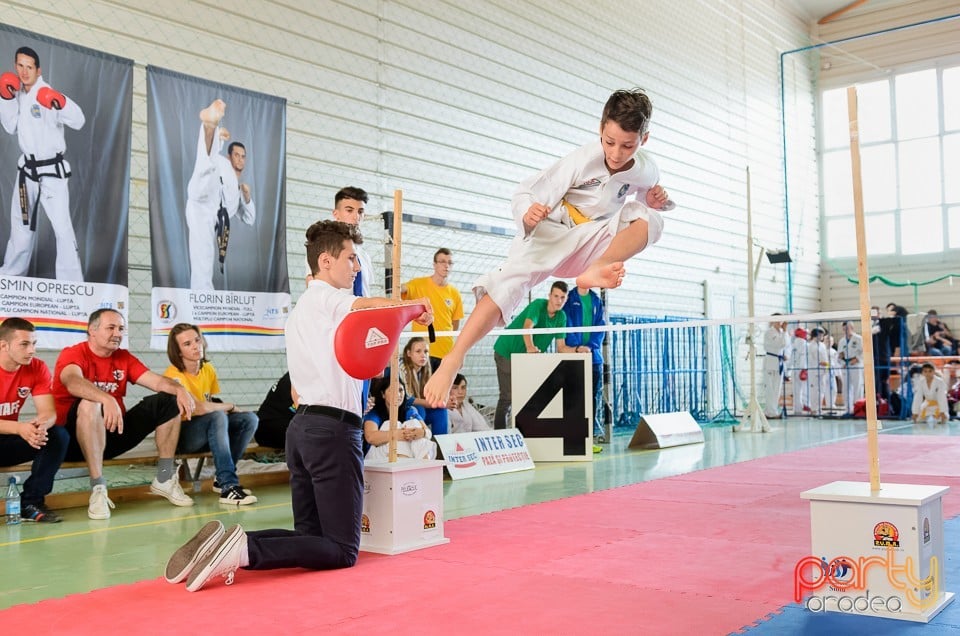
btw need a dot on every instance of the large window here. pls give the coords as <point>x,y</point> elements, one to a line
<point>909,129</point>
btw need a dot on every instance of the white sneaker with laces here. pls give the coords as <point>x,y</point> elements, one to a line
<point>223,560</point>
<point>100,503</point>
<point>171,491</point>
<point>192,552</point>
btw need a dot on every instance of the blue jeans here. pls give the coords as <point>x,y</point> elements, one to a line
<point>437,420</point>
<point>598,428</point>
<point>226,435</point>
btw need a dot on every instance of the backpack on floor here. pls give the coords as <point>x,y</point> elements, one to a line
<point>860,408</point>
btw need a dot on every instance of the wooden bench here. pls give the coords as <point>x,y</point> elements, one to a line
<point>138,457</point>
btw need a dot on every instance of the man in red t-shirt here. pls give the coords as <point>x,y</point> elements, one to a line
<point>36,440</point>
<point>89,383</point>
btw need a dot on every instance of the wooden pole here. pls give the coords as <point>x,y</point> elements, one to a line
<point>395,295</point>
<point>870,393</point>
<point>754,414</point>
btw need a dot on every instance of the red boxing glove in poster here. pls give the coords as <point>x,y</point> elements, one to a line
<point>9,85</point>
<point>50,98</point>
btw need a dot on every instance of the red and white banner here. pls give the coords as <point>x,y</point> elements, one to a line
<point>484,453</point>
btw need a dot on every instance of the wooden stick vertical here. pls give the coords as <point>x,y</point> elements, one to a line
<point>395,295</point>
<point>866,327</point>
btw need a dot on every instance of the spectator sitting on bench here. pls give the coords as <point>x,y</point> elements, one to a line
<point>937,337</point>
<point>412,434</point>
<point>37,440</point>
<point>89,384</point>
<point>215,424</point>
<point>275,413</point>
<point>463,416</point>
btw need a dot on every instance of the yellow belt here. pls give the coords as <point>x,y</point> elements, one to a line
<point>576,215</point>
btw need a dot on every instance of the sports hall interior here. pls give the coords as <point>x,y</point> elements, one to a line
<point>454,103</point>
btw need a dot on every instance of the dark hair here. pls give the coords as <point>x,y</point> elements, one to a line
<point>932,312</point>
<point>8,326</point>
<point>630,109</point>
<point>173,347</point>
<point>328,236</point>
<point>94,320</point>
<point>927,365</point>
<point>459,378</point>
<point>26,50</point>
<point>234,144</point>
<point>442,250</point>
<point>378,387</point>
<point>350,192</point>
<point>559,284</point>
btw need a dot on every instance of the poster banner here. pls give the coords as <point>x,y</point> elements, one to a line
<point>217,168</point>
<point>66,113</point>
<point>484,453</point>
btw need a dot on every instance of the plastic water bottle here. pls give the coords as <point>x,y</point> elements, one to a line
<point>13,502</point>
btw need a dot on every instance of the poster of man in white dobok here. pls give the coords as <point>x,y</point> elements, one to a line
<point>66,116</point>
<point>217,223</point>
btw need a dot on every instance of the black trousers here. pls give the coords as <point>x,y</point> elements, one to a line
<point>46,462</point>
<point>326,487</point>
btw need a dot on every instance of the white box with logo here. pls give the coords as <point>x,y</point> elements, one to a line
<point>402,506</point>
<point>879,554</point>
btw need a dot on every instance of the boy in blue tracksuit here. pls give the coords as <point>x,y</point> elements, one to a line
<point>585,309</point>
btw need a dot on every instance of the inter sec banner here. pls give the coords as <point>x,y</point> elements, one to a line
<point>217,166</point>
<point>66,114</point>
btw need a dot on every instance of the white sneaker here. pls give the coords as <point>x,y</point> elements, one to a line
<point>171,491</point>
<point>100,503</point>
<point>186,557</point>
<point>223,560</point>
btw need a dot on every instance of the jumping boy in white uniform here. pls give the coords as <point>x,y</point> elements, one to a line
<point>214,195</point>
<point>574,220</point>
<point>37,113</point>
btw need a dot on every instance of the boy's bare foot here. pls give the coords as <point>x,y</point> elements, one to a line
<point>437,389</point>
<point>212,114</point>
<point>603,276</point>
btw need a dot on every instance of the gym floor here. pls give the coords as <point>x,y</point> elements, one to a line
<point>44,561</point>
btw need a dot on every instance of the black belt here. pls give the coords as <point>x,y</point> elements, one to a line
<point>338,414</point>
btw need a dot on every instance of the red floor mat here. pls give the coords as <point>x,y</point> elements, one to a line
<point>702,553</point>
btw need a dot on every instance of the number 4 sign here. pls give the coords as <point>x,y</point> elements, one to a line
<point>551,406</point>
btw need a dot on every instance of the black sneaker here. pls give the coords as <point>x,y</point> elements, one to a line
<point>217,489</point>
<point>40,514</point>
<point>236,495</point>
